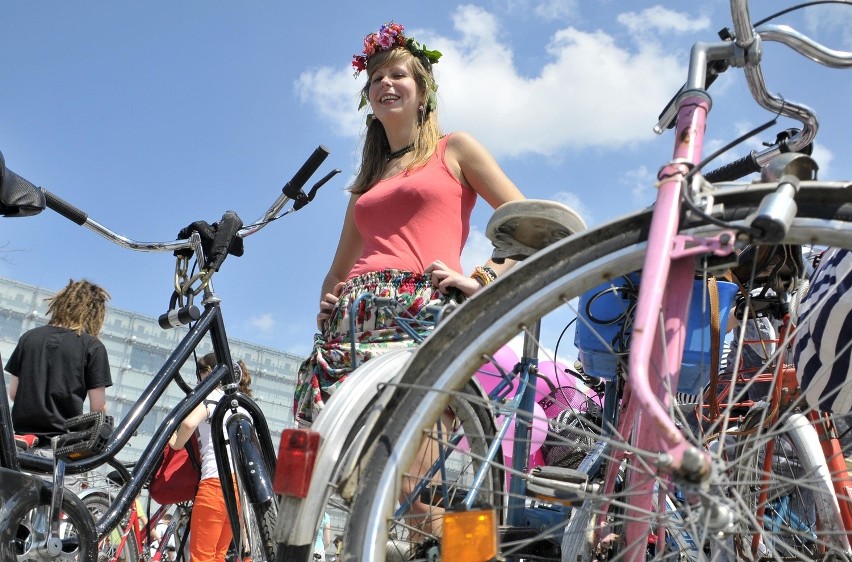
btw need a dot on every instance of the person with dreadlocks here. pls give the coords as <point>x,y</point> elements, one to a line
<point>56,367</point>
<point>407,220</point>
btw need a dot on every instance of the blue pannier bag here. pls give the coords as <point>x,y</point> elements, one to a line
<point>605,323</point>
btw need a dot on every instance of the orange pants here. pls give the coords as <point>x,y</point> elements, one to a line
<point>209,530</point>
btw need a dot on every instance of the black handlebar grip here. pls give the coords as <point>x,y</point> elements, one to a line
<point>64,208</point>
<point>734,170</point>
<point>294,187</point>
<point>20,197</point>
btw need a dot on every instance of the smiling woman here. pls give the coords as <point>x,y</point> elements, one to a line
<point>406,224</point>
<point>407,220</point>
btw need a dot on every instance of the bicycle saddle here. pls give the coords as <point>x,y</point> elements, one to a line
<point>520,228</point>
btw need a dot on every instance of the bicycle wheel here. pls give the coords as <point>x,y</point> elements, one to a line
<point>462,437</point>
<point>472,421</point>
<point>29,512</point>
<point>258,522</point>
<point>790,497</point>
<point>176,538</point>
<point>348,416</point>
<point>548,281</point>
<point>259,531</point>
<point>111,546</point>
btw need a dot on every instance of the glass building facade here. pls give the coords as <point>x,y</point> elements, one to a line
<point>138,347</point>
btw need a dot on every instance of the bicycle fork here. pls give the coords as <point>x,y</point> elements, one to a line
<point>46,521</point>
<point>657,346</point>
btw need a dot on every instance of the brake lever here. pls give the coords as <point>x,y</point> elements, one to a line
<point>305,199</point>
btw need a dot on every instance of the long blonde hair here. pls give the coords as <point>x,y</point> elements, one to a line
<point>80,306</point>
<point>374,159</point>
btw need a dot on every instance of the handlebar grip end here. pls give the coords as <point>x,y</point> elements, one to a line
<point>294,187</point>
<point>64,208</point>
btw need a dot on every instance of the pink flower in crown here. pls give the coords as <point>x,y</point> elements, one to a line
<point>396,29</point>
<point>389,36</point>
<point>393,33</point>
<point>370,43</point>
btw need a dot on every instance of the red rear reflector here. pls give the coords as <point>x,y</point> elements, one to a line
<point>297,452</point>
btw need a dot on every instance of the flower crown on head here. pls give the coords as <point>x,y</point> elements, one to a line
<point>390,36</point>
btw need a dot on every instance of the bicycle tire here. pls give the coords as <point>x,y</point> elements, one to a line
<point>259,523</point>
<point>98,503</point>
<point>473,424</point>
<point>792,497</point>
<point>180,533</point>
<point>536,287</point>
<point>475,420</point>
<point>248,470</point>
<point>350,422</point>
<point>76,529</point>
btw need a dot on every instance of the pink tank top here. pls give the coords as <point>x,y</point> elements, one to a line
<point>414,218</point>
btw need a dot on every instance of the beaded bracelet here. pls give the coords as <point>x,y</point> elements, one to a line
<point>483,275</point>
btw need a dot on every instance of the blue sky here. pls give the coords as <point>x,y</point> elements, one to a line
<point>150,115</point>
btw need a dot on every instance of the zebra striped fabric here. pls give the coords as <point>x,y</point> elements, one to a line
<point>822,347</point>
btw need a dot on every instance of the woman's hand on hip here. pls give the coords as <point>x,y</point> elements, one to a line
<point>444,278</point>
<point>327,304</point>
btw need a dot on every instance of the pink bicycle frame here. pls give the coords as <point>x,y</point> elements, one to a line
<point>656,350</point>
<point>667,280</point>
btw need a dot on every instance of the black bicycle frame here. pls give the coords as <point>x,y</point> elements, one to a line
<point>8,450</point>
<point>211,322</point>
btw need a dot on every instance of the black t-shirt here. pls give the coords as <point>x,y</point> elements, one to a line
<point>56,367</point>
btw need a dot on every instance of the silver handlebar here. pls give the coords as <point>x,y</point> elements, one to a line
<point>743,31</point>
<point>746,51</point>
<point>171,246</point>
<point>805,46</point>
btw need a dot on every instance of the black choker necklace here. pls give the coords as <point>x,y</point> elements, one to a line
<point>400,152</point>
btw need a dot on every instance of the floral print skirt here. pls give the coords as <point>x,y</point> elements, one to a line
<point>376,332</point>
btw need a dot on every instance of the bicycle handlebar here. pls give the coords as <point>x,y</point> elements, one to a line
<point>291,191</point>
<point>735,170</point>
<point>749,38</point>
<point>293,188</point>
<point>64,208</point>
<point>743,49</point>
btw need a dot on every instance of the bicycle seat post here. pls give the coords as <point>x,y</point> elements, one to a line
<point>47,533</point>
<point>523,424</point>
<point>517,230</point>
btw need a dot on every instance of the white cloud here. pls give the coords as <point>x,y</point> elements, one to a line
<point>823,157</point>
<point>332,94</point>
<point>477,250</point>
<point>574,201</point>
<point>264,323</point>
<point>575,100</point>
<point>831,19</point>
<point>658,19</point>
<point>641,183</point>
<point>555,9</point>
<point>547,10</point>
